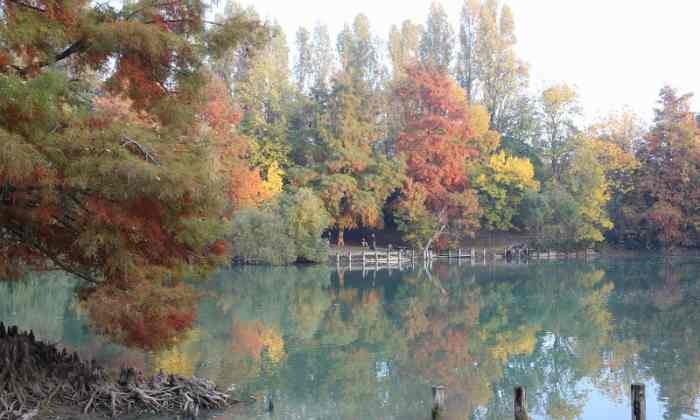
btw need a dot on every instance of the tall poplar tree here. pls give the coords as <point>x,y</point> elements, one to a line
<point>437,43</point>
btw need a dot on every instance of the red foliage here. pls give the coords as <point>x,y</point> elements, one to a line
<point>438,139</point>
<point>145,315</point>
<point>219,248</point>
<point>135,76</point>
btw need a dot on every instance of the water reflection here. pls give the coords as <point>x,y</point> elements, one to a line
<point>575,334</point>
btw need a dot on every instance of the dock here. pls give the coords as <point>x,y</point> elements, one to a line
<point>351,260</point>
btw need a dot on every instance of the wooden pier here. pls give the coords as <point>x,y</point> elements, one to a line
<point>397,259</point>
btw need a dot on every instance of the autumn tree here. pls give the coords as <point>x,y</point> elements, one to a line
<point>336,145</point>
<point>438,140</point>
<point>404,43</point>
<point>121,181</point>
<point>665,201</point>
<point>614,140</point>
<point>571,212</point>
<point>466,57</point>
<point>314,60</point>
<point>558,109</point>
<point>503,182</point>
<point>488,62</point>
<point>264,94</point>
<point>437,42</point>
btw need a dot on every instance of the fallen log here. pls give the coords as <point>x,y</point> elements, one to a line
<point>36,378</point>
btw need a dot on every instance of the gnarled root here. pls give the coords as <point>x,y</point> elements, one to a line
<point>36,377</point>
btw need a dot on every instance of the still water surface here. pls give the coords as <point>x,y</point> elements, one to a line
<point>329,345</point>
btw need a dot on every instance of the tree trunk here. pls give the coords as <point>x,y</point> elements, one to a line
<point>434,237</point>
<point>341,237</point>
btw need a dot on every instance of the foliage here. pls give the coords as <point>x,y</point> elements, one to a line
<point>664,206</point>
<point>437,41</point>
<point>337,153</point>
<point>282,232</point>
<point>113,181</point>
<point>147,315</point>
<point>437,142</point>
<point>404,47</point>
<point>264,93</point>
<point>558,107</point>
<point>502,184</point>
<point>571,214</point>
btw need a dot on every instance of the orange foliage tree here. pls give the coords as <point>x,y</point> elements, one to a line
<point>438,142</point>
<point>113,181</point>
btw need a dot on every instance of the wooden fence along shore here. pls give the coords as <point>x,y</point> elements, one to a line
<point>398,259</point>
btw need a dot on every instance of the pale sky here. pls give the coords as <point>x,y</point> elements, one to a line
<point>616,52</point>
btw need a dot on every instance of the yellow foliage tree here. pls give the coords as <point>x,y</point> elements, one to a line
<point>274,181</point>
<point>502,183</point>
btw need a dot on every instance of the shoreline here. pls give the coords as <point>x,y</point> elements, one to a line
<point>41,381</point>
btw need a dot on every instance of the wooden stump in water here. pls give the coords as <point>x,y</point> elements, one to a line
<point>438,401</point>
<point>638,402</point>
<point>520,404</point>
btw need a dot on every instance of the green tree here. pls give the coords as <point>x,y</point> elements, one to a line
<point>437,42</point>
<point>572,213</point>
<point>264,93</point>
<point>337,149</point>
<point>502,76</point>
<point>283,231</point>
<point>467,55</point>
<point>404,46</point>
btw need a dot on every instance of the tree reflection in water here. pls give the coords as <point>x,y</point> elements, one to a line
<point>371,348</point>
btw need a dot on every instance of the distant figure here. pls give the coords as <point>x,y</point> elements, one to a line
<point>365,245</point>
<point>341,241</point>
<point>391,247</point>
<point>374,242</point>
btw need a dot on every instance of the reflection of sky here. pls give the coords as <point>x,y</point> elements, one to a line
<point>49,309</point>
<point>600,406</point>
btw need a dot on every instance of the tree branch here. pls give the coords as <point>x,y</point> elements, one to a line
<point>28,6</point>
<point>50,255</point>
<point>144,152</point>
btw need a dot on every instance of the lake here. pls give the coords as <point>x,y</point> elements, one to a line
<point>327,345</point>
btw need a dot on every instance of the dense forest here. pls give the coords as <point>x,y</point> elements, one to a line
<point>149,141</point>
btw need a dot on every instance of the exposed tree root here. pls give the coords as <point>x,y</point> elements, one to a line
<point>36,377</point>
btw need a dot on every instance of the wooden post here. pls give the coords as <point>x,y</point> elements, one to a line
<point>270,405</point>
<point>520,404</point>
<point>376,260</point>
<point>438,401</point>
<point>484,255</point>
<point>350,260</point>
<point>638,402</point>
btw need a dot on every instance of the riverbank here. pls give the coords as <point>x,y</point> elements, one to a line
<point>38,380</point>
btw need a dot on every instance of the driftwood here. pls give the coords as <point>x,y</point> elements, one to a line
<point>35,378</point>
